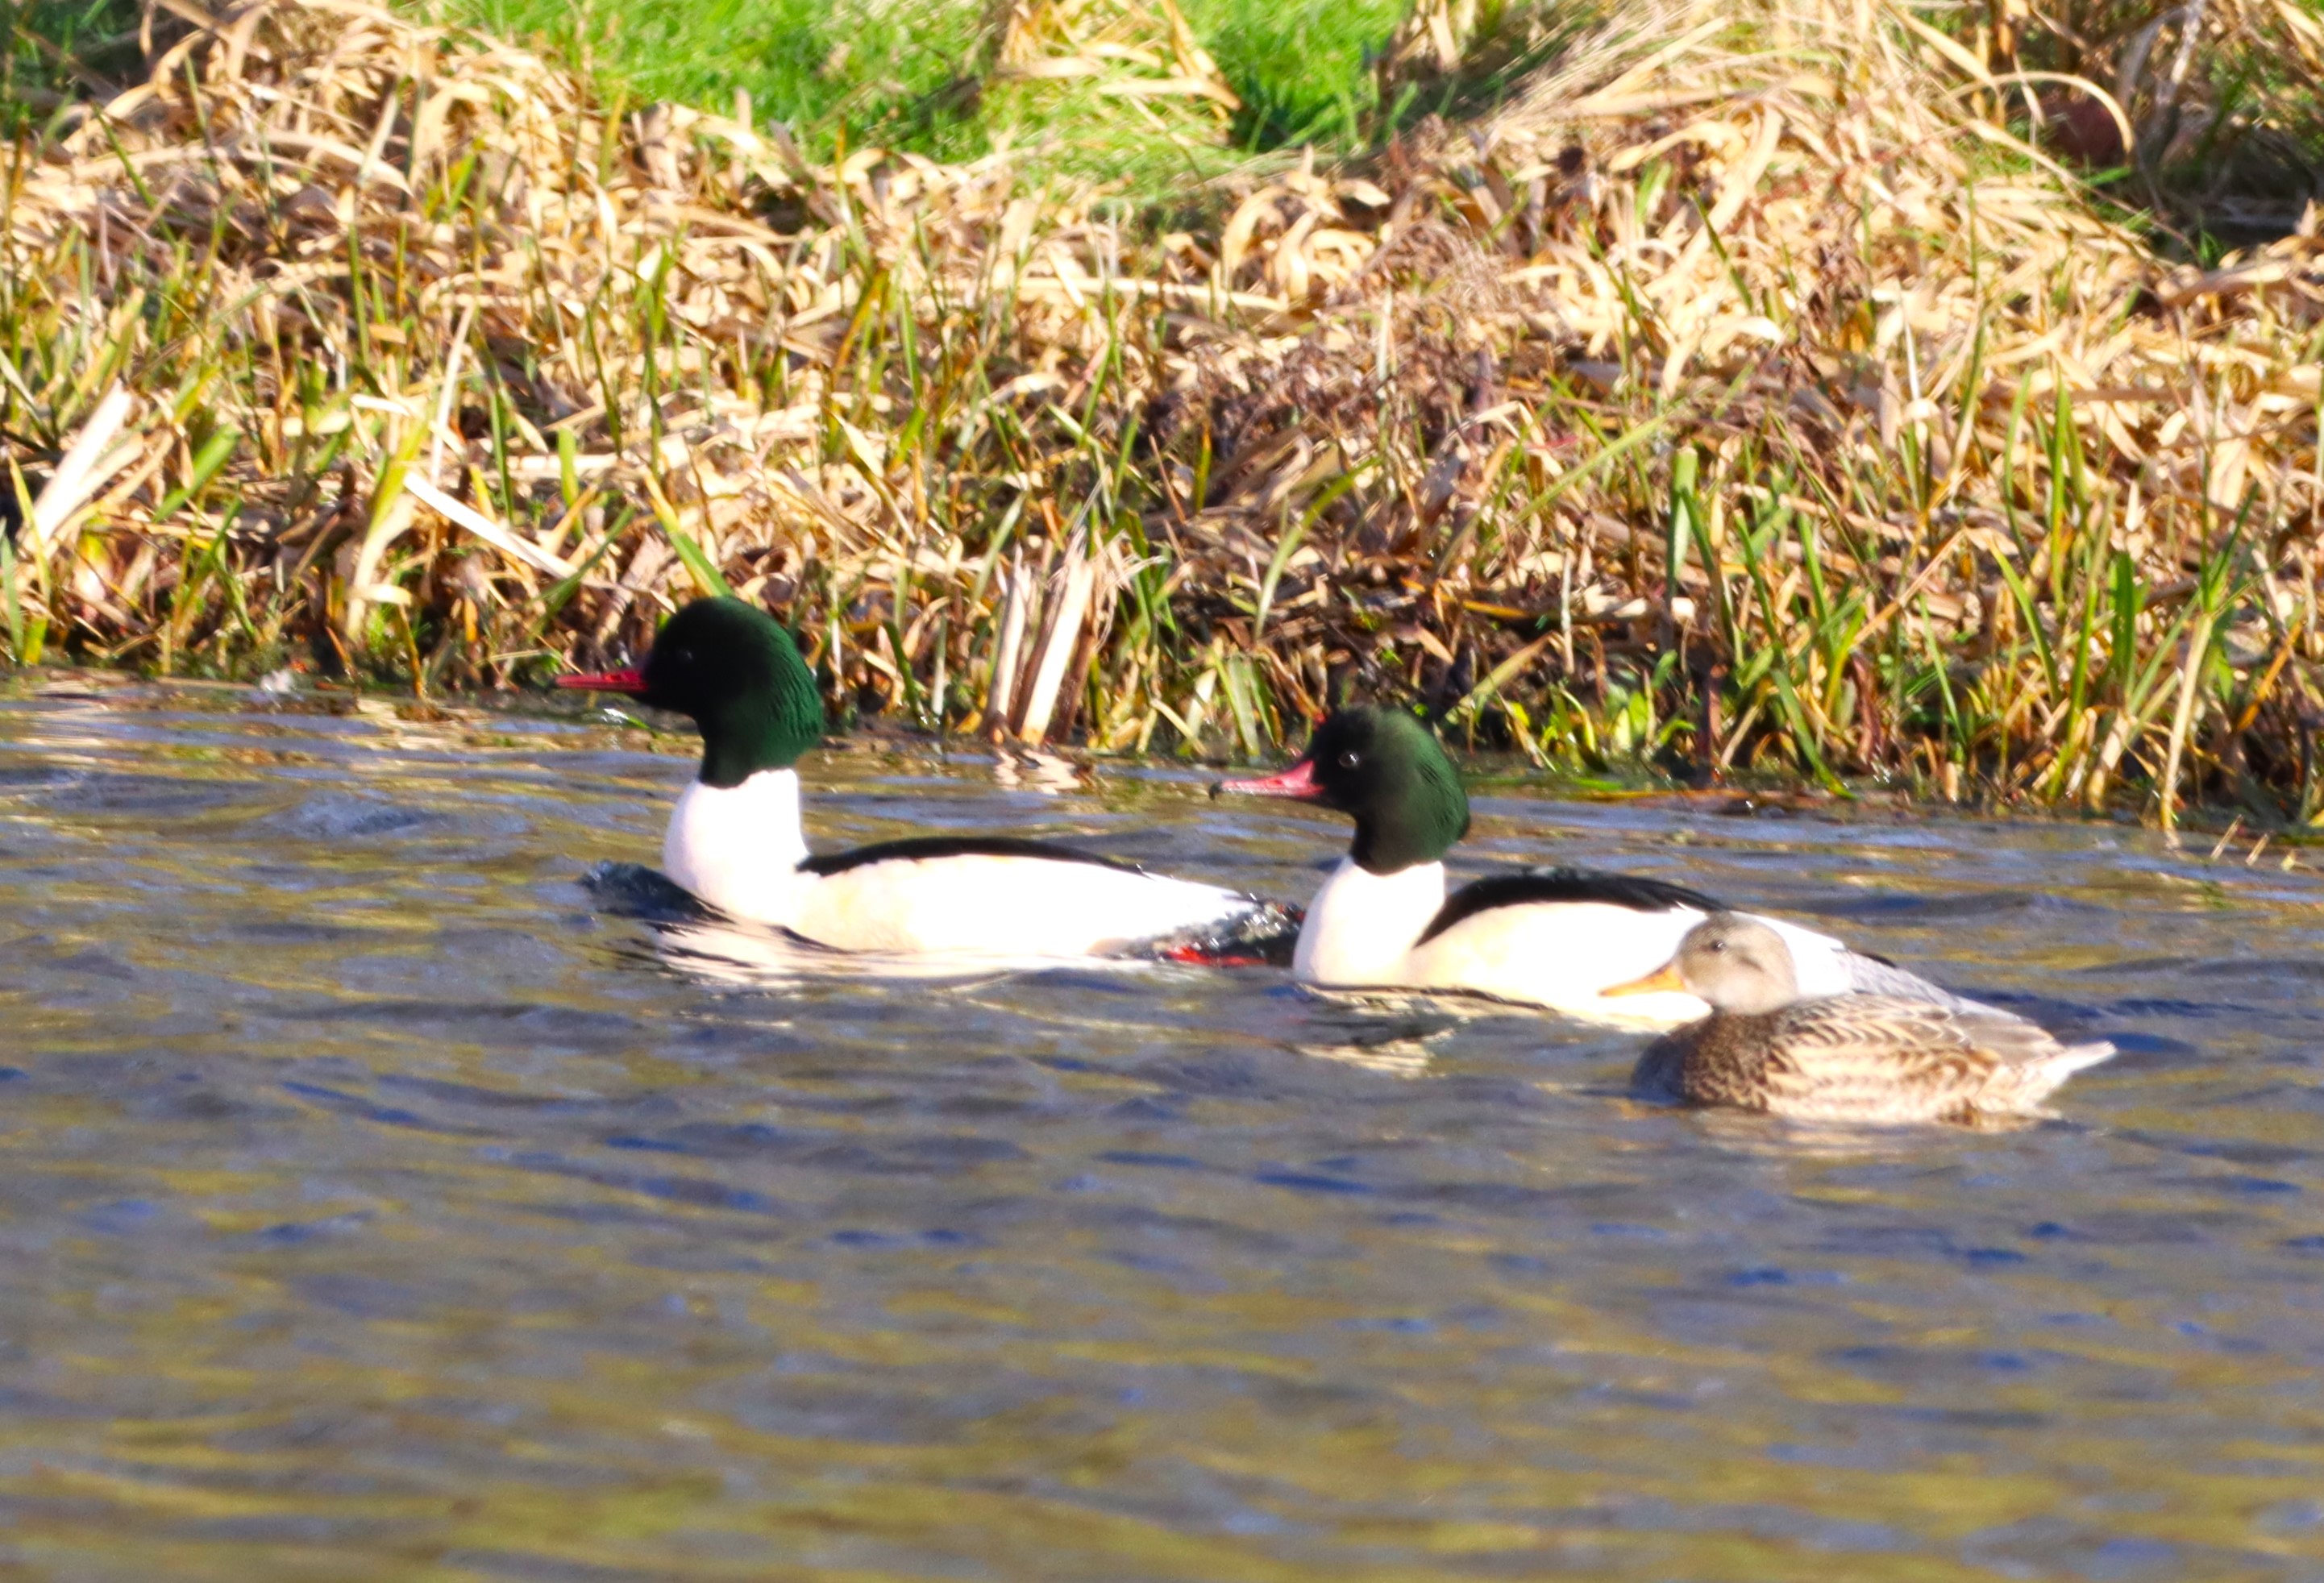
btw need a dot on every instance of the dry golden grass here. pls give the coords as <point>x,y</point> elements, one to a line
<point>1742,395</point>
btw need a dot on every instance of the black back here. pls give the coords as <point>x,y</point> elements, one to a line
<point>1633,891</point>
<point>918,848</point>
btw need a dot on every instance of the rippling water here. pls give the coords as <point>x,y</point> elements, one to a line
<point>376,1207</point>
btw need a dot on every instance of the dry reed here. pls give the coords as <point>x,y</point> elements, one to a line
<point>1744,395</point>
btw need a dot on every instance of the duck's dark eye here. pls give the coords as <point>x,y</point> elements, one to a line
<point>1718,945</point>
<point>1349,760</point>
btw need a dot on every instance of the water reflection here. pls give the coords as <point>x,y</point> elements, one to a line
<point>380,1203</point>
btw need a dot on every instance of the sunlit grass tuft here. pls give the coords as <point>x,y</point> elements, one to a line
<point>910,74</point>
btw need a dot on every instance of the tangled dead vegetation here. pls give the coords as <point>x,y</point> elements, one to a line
<point>1743,395</point>
<point>2217,106</point>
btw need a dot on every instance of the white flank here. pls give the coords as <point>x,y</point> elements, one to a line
<point>1561,955</point>
<point>739,847</point>
<point>1360,926</point>
<point>1001,906</point>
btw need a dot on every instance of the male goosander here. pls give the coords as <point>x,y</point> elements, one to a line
<point>735,843</point>
<point>1860,1058</point>
<point>1554,937</point>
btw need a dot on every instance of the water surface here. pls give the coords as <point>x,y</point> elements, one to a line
<point>376,1206</point>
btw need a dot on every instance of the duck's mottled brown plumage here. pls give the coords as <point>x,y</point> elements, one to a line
<point>1859,1058</point>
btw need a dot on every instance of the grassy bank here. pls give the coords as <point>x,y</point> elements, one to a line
<point>1748,393</point>
<point>937,77</point>
<point>906,74</point>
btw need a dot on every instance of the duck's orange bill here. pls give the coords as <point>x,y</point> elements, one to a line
<point>1664,977</point>
<point>1298,781</point>
<point>606,681</point>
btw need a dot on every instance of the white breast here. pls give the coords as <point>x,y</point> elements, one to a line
<point>739,847</point>
<point>1360,926</point>
<point>1563,954</point>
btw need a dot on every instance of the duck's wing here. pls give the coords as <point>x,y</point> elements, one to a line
<point>1888,1057</point>
<point>1875,975</point>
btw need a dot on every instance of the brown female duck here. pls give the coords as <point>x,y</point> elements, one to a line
<point>1858,1058</point>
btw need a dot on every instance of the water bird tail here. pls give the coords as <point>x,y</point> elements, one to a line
<point>1262,934</point>
<point>2022,1087</point>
